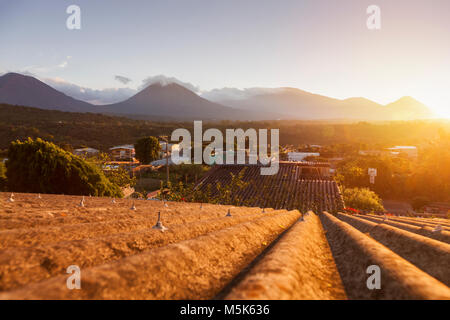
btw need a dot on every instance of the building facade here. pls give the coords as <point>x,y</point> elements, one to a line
<point>123,153</point>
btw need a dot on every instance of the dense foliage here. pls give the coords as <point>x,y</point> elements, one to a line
<point>73,129</point>
<point>40,166</point>
<point>147,149</point>
<point>362,199</point>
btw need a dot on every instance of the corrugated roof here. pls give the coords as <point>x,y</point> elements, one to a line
<point>126,146</point>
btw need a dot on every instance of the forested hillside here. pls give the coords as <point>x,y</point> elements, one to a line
<point>101,131</point>
<point>77,129</point>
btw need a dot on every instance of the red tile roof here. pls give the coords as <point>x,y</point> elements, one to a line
<point>288,189</point>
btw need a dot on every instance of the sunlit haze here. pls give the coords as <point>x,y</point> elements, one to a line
<point>319,46</point>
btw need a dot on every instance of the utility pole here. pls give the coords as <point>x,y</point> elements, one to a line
<point>167,160</point>
<point>166,140</point>
<point>372,174</point>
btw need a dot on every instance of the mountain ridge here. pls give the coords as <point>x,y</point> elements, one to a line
<point>299,103</point>
<point>174,101</point>
<point>13,87</point>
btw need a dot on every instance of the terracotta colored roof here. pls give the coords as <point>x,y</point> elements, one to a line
<point>288,189</point>
<point>152,194</point>
<point>307,163</point>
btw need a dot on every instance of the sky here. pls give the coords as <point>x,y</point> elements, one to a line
<point>321,46</point>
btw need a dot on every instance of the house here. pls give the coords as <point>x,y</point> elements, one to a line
<point>123,153</point>
<point>85,152</point>
<point>297,185</point>
<point>300,156</point>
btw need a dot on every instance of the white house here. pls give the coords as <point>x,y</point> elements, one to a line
<point>300,156</point>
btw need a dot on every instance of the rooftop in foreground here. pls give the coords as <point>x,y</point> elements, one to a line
<point>211,251</point>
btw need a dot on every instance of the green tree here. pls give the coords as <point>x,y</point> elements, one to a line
<point>147,149</point>
<point>351,175</point>
<point>40,166</point>
<point>2,176</point>
<point>362,199</point>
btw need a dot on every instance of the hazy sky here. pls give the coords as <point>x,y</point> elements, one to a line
<point>320,46</point>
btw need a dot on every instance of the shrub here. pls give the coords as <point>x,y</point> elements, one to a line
<point>362,199</point>
<point>2,176</point>
<point>40,166</point>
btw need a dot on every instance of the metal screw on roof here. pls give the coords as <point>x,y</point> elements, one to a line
<point>438,229</point>
<point>133,207</point>
<point>159,224</point>
<point>81,202</point>
<point>11,198</point>
<point>229,213</point>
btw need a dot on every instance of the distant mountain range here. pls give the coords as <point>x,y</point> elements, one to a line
<point>175,102</point>
<point>299,104</point>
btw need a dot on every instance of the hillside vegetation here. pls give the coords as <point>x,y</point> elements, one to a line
<point>102,131</point>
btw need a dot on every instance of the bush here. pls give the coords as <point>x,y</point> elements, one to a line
<point>362,199</point>
<point>2,176</point>
<point>40,166</point>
